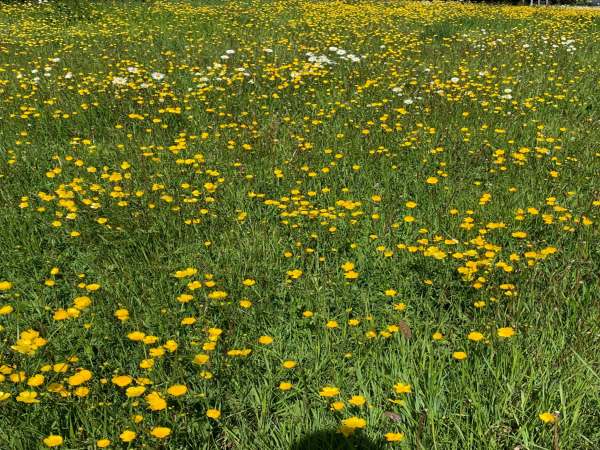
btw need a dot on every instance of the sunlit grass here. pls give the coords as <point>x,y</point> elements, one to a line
<point>284,225</point>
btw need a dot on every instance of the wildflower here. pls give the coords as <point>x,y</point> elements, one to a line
<point>28,397</point>
<point>135,391</point>
<point>103,443</point>
<point>329,391</point>
<point>122,380</point>
<point>394,437</point>
<point>403,388</point>
<point>547,417</point>
<point>157,76</point>
<point>53,440</point>
<point>160,432</point>
<point>265,340</point>
<point>459,356</point>
<point>285,385</point>
<point>357,400</point>
<point>475,336</point>
<point>213,414</point>
<point>155,401</point>
<point>80,377</point>
<point>354,422</point>
<point>506,332</point>
<point>337,406</point>
<point>128,435</point>
<point>177,390</point>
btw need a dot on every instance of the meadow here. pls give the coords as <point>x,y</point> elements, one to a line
<point>299,225</point>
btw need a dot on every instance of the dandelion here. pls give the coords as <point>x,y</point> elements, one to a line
<point>214,414</point>
<point>394,437</point>
<point>506,332</point>
<point>547,417</point>
<point>329,391</point>
<point>160,432</point>
<point>53,440</point>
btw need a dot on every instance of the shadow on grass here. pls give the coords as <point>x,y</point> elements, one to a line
<point>332,440</point>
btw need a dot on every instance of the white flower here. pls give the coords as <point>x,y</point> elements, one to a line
<point>408,101</point>
<point>341,52</point>
<point>268,50</point>
<point>157,76</point>
<point>68,75</point>
<point>333,49</point>
<point>454,79</point>
<point>55,60</point>
<point>132,69</point>
<point>224,57</point>
<point>230,52</point>
<point>119,81</point>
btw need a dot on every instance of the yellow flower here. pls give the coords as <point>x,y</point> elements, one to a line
<point>102,443</point>
<point>177,390</point>
<point>329,391</point>
<point>519,234</point>
<point>27,397</point>
<point>354,422</point>
<point>80,377</point>
<point>285,385</point>
<point>403,388</point>
<point>36,380</point>
<point>249,282</point>
<point>82,302</point>
<point>81,391</point>
<point>201,358</point>
<point>6,309</point>
<point>347,266</point>
<point>547,417</point>
<point>337,406</point>
<point>245,303</point>
<point>459,355</point>
<point>437,336</point>
<point>122,314</point>
<point>475,336</point>
<point>506,332</point>
<point>135,391</point>
<point>189,272</point>
<point>394,437</point>
<point>122,380</point>
<point>331,324</point>
<point>160,432</point>
<point>128,435</point>
<point>351,275</point>
<point>357,400</point>
<point>4,396</point>
<point>431,180</point>
<point>136,336</point>
<point>213,413</point>
<point>390,292</point>
<point>5,285</point>
<point>265,340</point>
<point>155,401</point>
<point>289,364</point>
<point>53,440</point>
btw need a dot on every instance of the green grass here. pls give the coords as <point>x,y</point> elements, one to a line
<point>264,163</point>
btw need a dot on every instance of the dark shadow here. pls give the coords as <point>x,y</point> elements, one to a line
<point>332,440</point>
